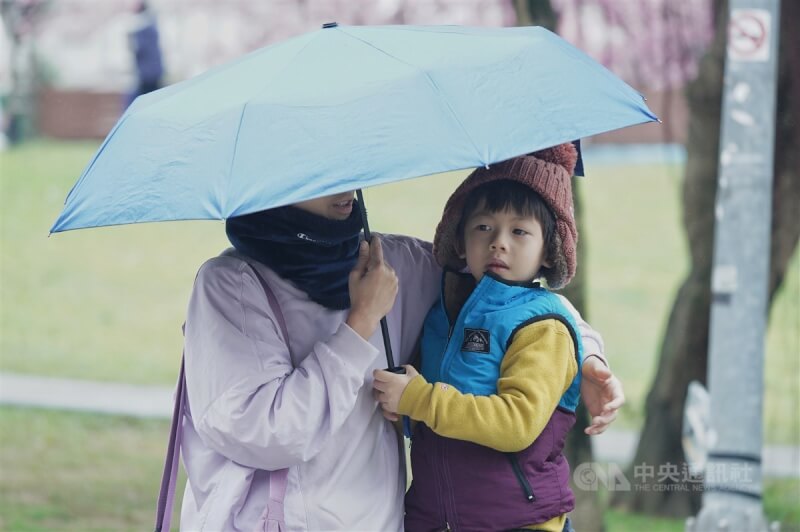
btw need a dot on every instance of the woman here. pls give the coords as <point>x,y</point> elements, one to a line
<point>260,402</point>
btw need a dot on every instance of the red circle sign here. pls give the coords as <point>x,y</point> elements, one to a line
<point>747,34</point>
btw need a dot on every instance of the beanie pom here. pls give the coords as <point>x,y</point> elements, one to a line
<point>565,155</point>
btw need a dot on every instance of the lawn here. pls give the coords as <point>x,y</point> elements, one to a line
<point>70,471</point>
<point>108,303</point>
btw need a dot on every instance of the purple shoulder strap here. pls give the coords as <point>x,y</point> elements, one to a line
<point>277,479</point>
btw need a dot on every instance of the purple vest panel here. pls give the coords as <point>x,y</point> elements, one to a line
<point>472,487</point>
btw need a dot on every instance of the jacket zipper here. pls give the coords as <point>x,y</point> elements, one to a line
<point>523,482</point>
<point>440,452</point>
<point>444,488</point>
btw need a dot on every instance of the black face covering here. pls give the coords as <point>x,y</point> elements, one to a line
<point>313,252</point>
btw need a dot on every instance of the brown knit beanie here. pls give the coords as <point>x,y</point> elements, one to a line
<point>548,173</point>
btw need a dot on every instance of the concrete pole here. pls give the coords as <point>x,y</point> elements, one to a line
<point>733,482</point>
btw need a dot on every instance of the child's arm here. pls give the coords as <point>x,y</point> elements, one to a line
<point>536,371</point>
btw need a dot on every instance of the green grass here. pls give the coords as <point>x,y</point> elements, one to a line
<point>108,303</point>
<point>70,471</point>
<point>617,521</point>
<point>781,498</point>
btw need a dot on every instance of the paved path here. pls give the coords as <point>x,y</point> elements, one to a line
<point>156,402</point>
<point>89,396</point>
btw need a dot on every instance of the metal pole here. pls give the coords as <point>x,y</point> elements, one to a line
<point>740,274</point>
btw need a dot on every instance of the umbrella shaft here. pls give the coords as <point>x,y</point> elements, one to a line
<point>387,344</point>
<point>364,222</point>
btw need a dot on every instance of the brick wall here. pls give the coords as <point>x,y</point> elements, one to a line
<point>670,107</point>
<point>78,114</point>
<point>91,115</point>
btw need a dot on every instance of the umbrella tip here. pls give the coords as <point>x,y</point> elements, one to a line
<point>330,25</point>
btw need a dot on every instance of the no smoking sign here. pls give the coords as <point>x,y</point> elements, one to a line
<point>748,35</point>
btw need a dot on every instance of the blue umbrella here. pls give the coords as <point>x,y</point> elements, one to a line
<point>343,108</point>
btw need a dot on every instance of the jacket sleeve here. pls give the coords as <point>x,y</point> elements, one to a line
<point>592,341</point>
<point>247,400</point>
<point>537,369</point>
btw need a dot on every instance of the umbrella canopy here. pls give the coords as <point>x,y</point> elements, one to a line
<point>342,108</point>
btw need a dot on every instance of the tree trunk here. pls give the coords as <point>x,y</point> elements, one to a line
<point>588,513</point>
<point>684,350</point>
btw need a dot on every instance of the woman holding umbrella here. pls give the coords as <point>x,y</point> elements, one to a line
<point>281,342</point>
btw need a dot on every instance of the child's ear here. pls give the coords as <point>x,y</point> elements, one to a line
<point>546,262</point>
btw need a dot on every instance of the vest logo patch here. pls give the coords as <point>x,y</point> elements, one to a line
<point>476,340</point>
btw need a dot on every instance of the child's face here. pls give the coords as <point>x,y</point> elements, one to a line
<point>505,243</point>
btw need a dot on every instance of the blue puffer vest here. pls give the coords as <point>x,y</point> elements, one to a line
<point>471,487</point>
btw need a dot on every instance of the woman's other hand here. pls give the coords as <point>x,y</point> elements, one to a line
<point>602,394</point>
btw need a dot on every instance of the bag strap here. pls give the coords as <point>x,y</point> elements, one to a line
<point>166,495</point>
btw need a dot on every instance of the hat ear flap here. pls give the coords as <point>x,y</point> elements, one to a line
<point>557,274</point>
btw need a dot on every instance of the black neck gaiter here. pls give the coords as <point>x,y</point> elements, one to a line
<point>313,252</point>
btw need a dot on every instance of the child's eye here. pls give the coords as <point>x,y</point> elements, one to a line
<point>483,227</point>
<point>520,232</point>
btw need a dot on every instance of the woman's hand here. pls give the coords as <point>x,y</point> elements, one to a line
<point>602,394</point>
<point>373,289</point>
<point>389,388</point>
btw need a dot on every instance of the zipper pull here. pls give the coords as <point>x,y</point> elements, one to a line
<point>448,529</point>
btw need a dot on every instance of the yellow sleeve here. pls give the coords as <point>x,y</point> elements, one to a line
<point>536,371</point>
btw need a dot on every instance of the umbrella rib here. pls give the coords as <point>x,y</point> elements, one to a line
<point>436,88</point>
<point>86,171</point>
<point>224,209</point>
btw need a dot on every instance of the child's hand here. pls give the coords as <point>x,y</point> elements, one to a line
<point>389,388</point>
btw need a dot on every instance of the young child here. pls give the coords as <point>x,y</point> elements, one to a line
<point>500,356</point>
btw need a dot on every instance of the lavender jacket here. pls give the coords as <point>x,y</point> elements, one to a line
<point>257,404</point>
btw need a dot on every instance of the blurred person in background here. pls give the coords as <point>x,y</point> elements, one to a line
<point>146,50</point>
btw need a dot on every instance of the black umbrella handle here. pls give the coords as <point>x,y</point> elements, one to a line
<point>387,344</point>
